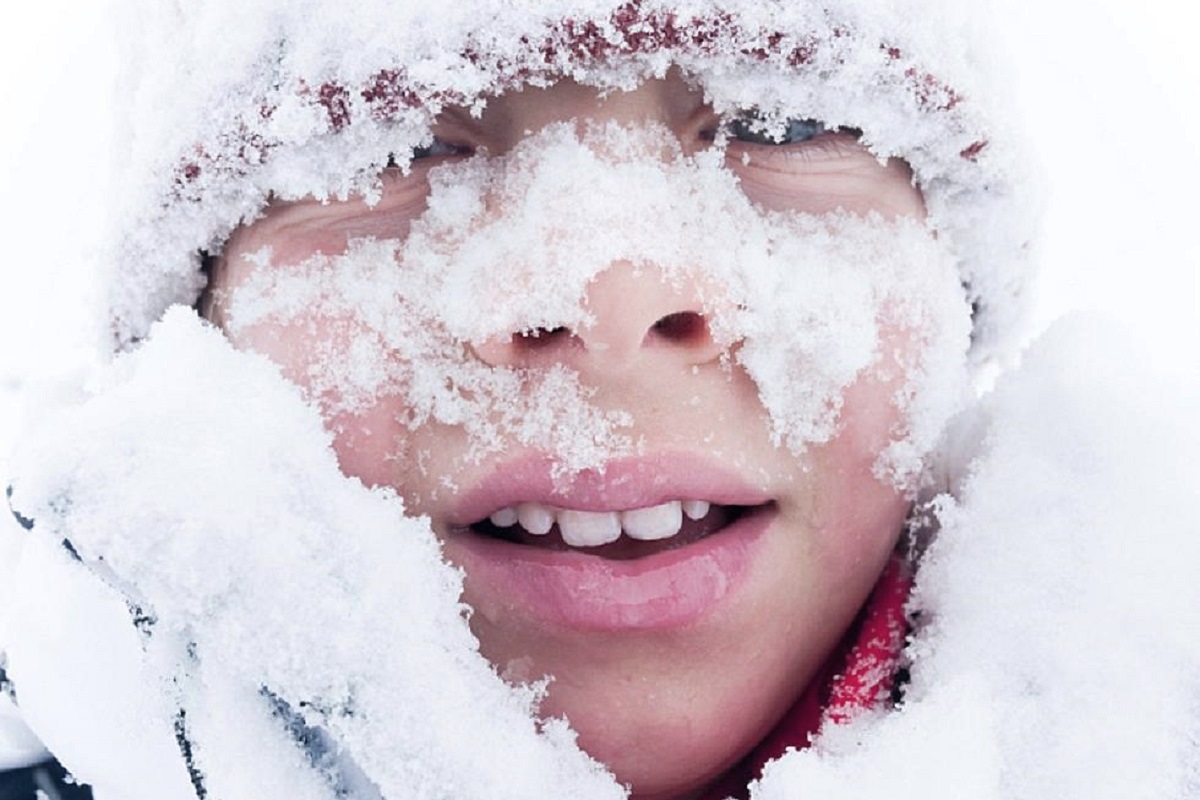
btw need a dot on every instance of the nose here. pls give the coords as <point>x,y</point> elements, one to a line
<point>639,317</point>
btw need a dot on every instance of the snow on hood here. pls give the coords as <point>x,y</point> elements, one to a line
<point>267,99</point>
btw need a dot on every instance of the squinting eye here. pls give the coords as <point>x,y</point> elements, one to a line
<point>751,129</point>
<point>435,149</point>
<point>439,147</point>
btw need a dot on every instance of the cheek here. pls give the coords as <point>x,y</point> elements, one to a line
<point>370,440</point>
<point>869,419</point>
<point>859,511</point>
<point>860,185</point>
<point>424,463</point>
<point>300,348</point>
<point>371,445</point>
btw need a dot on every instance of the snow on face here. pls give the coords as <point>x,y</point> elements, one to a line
<point>232,587</point>
<point>614,295</point>
<point>710,328</point>
<point>480,316</point>
<point>287,108</point>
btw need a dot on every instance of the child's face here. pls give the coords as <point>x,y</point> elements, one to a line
<point>671,657</point>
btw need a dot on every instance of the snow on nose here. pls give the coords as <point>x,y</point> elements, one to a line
<point>635,313</point>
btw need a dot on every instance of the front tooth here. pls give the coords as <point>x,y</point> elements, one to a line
<point>536,519</point>
<point>504,518</point>
<point>696,509</point>
<point>653,523</point>
<point>588,528</point>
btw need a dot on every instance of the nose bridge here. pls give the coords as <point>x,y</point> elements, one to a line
<point>514,116</point>
<point>637,312</point>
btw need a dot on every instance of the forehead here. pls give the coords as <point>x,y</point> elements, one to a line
<point>671,100</point>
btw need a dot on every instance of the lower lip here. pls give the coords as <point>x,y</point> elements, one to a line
<point>584,592</point>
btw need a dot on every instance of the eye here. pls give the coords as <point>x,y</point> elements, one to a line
<point>440,147</point>
<point>750,128</point>
<point>437,148</point>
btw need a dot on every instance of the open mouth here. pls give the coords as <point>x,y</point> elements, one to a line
<point>655,542</point>
<point>618,535</point>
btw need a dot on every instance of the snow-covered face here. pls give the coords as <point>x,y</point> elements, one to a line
<point>651,377</point>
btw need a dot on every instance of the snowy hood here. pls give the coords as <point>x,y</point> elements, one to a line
<point>268,100</point>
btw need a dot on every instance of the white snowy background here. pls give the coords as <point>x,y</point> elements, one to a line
<point>1110,92</point>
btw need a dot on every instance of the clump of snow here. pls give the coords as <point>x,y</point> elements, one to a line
<point>839,298</point>
<point>225,585</point>
<point>381,334</point>
<point>18,745</point>
<point>809,304</point>
<point>1056,653</point>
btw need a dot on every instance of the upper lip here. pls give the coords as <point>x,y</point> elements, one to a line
<point>619,485</point>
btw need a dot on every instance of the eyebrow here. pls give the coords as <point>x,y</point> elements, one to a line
<point>462,118</point>
<point>701,113</point>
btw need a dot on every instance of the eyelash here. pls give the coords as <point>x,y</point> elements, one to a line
<point>746,127</point>
<point>437,148</point>
<point>749,128</point>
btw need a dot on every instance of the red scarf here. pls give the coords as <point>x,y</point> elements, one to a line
<point>859,675</point>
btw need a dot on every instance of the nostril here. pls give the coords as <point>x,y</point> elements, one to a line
<point>542,338</point>
<point>527,348</point>
<point>682,327</point>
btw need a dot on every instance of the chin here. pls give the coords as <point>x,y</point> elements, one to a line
<point>670,711</point>
<point>670,750</point>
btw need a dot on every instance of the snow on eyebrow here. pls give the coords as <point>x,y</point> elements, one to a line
<point>510,245</point>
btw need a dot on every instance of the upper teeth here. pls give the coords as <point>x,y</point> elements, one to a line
<point>594,528</point>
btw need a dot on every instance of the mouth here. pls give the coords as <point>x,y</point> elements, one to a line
<point>618,535</point>
<point>644,544</point>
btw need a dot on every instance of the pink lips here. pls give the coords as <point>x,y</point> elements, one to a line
<point>584,592</point>
<point>623,484</point>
